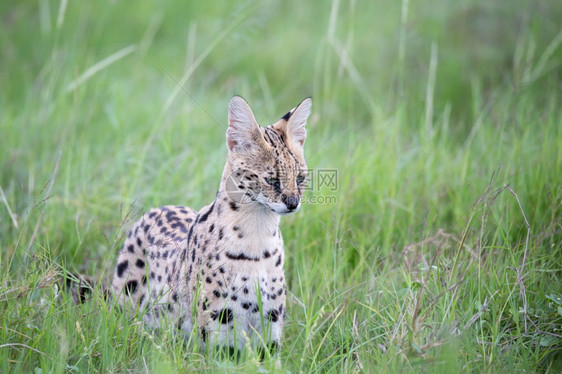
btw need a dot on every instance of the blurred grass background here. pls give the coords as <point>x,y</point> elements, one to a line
<point>426,109</point>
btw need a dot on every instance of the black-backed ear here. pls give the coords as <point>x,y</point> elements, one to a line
<point>242,126</point>
<point>296,124</point>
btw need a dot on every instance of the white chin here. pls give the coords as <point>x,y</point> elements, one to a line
<point>286,212</point>
<point>278,208</point>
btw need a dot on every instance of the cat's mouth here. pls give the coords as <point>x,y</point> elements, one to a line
<point>278,207</point>
<point>289,211</point>
<point>285,211</point>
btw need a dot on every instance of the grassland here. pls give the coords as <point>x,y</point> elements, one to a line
<point>439,248</point>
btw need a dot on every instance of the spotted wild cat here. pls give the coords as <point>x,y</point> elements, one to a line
<point>220,270</point>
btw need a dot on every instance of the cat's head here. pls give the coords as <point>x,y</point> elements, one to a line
<point>267,163</point>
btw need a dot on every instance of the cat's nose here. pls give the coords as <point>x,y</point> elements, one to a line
<point>291,201</point>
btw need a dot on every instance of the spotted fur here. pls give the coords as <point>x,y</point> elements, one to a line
<point>219,271</point>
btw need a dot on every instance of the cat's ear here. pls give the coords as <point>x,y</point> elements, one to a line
<point>296,122</point>
<point>243,129</point>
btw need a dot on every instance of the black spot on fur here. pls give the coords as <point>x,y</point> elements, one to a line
<point>217,294</point>
<point>269,139</point>
<point>131,248</point>
<point>241,256</point>
<point>209,280</point>
<point>180,323</point>
<point>224,315</point>
<point>246,305</point>
<point>212,227</point>
<point>203,334</point>
<point>139,242</point>
<point>229,353</point>
<point>234,206</point>
<point>221,233</point>
<point>266,254</point>
<point>140,263</point>
<point>204,217</point>
<point>271,347</point>
<point>189,235</point>
<point>278,262</point>
<point>171,215</point>
<point>131,287</point>
<point>234,297</point>
<point>122,267</point>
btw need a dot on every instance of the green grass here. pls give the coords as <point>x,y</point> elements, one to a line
<point>422,262</point>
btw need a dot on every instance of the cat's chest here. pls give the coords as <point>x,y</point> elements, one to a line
<point>258,259</point>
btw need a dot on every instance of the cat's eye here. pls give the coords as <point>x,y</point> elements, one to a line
<point>275,182</point>
<point>300,179</point>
